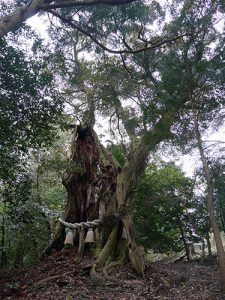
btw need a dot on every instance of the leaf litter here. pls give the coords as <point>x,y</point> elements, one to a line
<point>59,277</point>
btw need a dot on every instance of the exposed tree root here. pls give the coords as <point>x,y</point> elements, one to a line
<point>97,269</point>
<point>120,261</point>
<point>81,245</point>
<point>107,250</point>
<point>114,254</point>
<point>136,255</point>
<point>95,276</point>
<point>50,278</point>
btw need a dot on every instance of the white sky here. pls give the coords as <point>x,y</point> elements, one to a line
<point>39,24</point>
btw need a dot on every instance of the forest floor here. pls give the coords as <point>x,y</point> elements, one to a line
<point>58,277</point>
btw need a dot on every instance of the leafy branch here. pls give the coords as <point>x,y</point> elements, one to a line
<point>122,51</point>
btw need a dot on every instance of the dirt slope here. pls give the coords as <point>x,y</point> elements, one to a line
<point>58,277</point>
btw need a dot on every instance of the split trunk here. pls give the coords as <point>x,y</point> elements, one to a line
<point>98,188</point>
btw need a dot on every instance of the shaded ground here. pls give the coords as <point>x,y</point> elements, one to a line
<point>58,277</point>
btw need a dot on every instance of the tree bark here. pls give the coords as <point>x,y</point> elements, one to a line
<point>92,184</point>
<point>186,248</point>
<point>96,181</point>
<point>203,247</point>
<point>212,216</point>
<point>18,16</point>
<point>3,261</point>
<point>19,251</point>
<point>208,244</point>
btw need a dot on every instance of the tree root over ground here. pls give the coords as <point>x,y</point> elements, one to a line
<point>115,254</point>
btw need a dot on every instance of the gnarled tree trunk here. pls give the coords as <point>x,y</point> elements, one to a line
<point>98,188</point>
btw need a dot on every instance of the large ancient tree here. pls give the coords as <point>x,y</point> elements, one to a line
<point>147,95</point>
<point>156,85</point>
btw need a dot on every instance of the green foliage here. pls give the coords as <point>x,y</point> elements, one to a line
<point>160,207</point>
<point>31,203</point>
<point>118,153</point>
<point>29,107</point>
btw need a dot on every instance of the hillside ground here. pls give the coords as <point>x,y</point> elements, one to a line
<point>59,277</point>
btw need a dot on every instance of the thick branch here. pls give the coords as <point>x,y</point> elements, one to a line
<point>124,117</point>
<point>140,149</point>
<point>85,3</point>
<point>14,20</point>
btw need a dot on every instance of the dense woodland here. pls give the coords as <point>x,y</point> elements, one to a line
<point>95,120</point>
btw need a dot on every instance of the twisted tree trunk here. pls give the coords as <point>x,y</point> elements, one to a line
<point>98,187</point>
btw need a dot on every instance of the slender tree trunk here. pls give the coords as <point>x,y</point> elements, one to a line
<point>186,248</point>
<point>19,251</point>
<point>203,247</point>
<point>208,244</point>
<point>3,261</point>
<point>222,215</point>
<point>212,216</point>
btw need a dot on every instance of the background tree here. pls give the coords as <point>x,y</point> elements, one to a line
<point>161,208</point>
<point>218,181</point>
<point>31,205</point>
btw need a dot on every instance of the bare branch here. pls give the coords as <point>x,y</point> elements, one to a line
<point>85,3</point>
<point>126,67</point>
<point>125,43</point>
<point>110,125</point>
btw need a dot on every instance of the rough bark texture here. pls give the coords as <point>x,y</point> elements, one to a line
<point>15,19</point>
<point>81,182</point>
<point>209,247</point>
<point>98,187</point>
<point>19,252</point>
